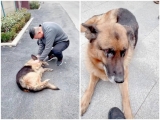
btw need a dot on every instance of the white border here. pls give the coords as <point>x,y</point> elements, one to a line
<point>39,8</point>
<point>80,62</point>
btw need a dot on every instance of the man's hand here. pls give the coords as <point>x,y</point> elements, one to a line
<point>38,56</point>
<point>37,61</point>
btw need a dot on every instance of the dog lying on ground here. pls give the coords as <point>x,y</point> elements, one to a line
<point>112,38</point>
<point>29,77</point>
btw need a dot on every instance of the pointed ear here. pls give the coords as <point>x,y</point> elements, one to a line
<point>91,28</point>
<point>34,57</point>
<point>91,32</point>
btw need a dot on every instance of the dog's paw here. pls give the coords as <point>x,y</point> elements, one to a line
<point>50,70</point>
<point>45,63</point>
<point>56,88</point>
<point>47,80</point>
<point>84,106</point>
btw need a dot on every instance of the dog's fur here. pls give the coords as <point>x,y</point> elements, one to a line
<point>29,77</point>
<point>112,38</point>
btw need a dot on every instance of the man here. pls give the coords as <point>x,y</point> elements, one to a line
<point>52,40</point>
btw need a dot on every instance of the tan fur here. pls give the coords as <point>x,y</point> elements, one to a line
<point>32,80</point>
<point>109,17</point>
<point>107,27</point>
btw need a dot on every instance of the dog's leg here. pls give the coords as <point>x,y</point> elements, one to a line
<point>40,85</point>
<point>125,97</point>
<point>43,85</point>
<point>51,86</point>
<point>48,69</point>
<point>42,70</point>
<point>45,63</point>
<point>88,93</point>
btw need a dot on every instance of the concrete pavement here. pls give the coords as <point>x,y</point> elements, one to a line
<point>72,10</point>
<point>47,104</point>
<point>143,69</point>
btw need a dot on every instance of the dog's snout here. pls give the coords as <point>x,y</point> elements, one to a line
<point>120,73</point>
<point>119,77</point>
<point>119,80</point>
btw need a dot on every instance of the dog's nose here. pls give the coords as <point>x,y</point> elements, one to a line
<point>119,79</point>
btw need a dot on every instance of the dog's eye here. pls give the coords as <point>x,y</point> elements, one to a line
<point>99,47</point>
<point>123,53</point>
<point>109,53</point>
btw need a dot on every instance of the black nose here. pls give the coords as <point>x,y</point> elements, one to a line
<point>119,79</point>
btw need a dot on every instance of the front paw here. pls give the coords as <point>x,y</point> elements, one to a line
<point>50,70</point>
<point>45,63</point>
<point>84,106</point>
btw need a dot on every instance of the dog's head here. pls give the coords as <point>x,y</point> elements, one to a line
<point>109,45</point>
<point>34,65</point>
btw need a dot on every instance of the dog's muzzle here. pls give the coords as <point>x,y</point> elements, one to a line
<point>114,78</point>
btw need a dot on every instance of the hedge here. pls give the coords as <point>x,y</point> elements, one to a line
<point>34,4</point>
<point>13,23</point>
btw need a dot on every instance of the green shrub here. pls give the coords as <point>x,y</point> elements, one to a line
<point>11,19</point>
<point>13,29</point>
<point>18,27</point>
<point>12,34</point>
<point>13,23</point>
<point>3,37</point>
<point>34,5</point>
<point>6,36</point>
<point>27,17</point>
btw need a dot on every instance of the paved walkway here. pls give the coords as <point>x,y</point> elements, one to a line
<point>143,69</point>
<point>47,104</point>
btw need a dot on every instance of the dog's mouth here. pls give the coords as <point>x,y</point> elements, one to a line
<point>113,79</point>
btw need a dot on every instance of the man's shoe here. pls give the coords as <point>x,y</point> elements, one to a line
<point>115,113</point>
<point>51,57</point>
<point>59,62</point>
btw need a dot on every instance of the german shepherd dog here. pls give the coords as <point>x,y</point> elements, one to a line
<point>29,77</point>
<point>112,38</point>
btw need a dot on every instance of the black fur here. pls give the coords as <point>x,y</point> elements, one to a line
<point>126,18</point>
<point>21,73</point>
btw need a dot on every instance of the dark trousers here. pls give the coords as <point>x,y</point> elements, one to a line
<point>58,48</point>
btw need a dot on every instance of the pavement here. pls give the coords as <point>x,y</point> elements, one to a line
<point>72,10</point>
<point>47,104</point>
<point>143,68</point>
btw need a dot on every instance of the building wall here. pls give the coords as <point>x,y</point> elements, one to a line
<point>9,6</point>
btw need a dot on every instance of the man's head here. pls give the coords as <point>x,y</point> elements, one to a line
<point>36,32</point>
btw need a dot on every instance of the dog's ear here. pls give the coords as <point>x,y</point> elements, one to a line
<point>34,57</point>
<point>91,32</point>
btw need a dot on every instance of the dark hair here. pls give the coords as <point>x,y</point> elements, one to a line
<point>32,32</point>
